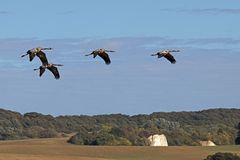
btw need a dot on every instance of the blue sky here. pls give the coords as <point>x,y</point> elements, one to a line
<point>206,74</point>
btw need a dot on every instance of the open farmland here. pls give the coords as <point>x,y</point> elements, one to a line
<point>58,149</point>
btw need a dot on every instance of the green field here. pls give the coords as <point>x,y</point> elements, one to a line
<point>58,149</point>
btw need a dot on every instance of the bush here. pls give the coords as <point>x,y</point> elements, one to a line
<point>223,156</point>
<point>47,133</point>
<point>237,140</point>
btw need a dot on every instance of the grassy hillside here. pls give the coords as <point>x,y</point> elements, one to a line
<point>181,128</point>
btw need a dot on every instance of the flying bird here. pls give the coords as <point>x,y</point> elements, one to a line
<point>51,67</point>
<point>37,52</point>
<point>102,53</point>
<point>166,54</point>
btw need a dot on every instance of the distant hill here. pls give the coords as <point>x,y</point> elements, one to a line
<point>180,128</point>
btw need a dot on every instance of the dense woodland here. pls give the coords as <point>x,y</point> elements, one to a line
<point>222,126</point>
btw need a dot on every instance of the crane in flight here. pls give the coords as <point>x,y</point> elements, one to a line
<point>101,53</point>
<point>37,52</point>
<point>51,67</point>
<point>166,54</point>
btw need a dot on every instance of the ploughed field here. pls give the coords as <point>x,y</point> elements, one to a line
<point>59,149</point>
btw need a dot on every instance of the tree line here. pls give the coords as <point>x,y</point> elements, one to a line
<point>222,126</point>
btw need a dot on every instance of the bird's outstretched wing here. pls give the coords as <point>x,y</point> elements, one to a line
<point>42,70</point>
<point>105,57</point>
<point>31,55</point>
<point>55,72</point>
<point>169,57</point>
<point>42,56</point>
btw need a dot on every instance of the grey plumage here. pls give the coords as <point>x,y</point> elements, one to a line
<point>103,54</point>
<point>51,67</point>
<point>166,54</point>
<point>39,53</point>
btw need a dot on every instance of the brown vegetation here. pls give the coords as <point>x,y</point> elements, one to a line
<point>59,149</point>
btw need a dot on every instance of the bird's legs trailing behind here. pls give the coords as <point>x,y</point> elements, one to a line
<point>109,51</point>
<point>174,50</point>
<point>46,48</point>
<point>56,64</point>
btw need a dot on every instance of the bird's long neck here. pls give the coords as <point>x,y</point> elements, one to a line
<point>36,69</point>
<point>155,54</point>
<point>42,67</point>
<point>89,54</point>
<point>24,55</point>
